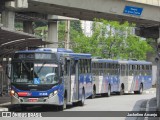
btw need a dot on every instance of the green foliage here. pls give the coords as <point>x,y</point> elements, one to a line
<point>19,26</point>
<point>110,39</point>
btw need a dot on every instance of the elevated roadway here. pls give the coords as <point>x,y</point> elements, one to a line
<point>143,13</point>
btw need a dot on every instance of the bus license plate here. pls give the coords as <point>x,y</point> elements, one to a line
<point>32,99</point>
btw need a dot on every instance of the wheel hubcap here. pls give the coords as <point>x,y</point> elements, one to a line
<point>83,97</point>
<point>109,91</point>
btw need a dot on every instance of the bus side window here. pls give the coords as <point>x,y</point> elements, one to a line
<point>73,67</point>
<point>65,67</point>
<point>89,65</point>
<point>97,69</point>
<point>80,66</point>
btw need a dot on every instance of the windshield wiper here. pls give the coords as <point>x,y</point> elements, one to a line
<point>25,65</point>
<point>41,67</point>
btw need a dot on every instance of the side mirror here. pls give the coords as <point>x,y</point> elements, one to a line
<point>8,71</point>
<point>60,80</point>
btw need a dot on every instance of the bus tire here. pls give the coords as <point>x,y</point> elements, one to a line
<point>122,90</point>
<point>140,89</point>
<point>81,103</point>
<point>135,92</point>
<point>94,92</point>
<point>64,106</point>
<point>109,91</point>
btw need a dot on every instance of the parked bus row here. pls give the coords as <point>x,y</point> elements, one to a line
<point>120,76</point>
<point>60,77</point>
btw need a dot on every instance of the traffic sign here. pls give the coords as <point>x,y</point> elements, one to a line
<point>131,10</point>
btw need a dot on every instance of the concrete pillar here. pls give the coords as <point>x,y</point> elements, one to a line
<point>158,74</point>
<point>28,27</point>
<point>8,19</point>
<point>53,34</point>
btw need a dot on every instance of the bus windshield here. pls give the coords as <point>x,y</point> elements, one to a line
<point>34,73</point>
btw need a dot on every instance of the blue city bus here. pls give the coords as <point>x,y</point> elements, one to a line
<point>48,76</point>
<point>120,76</point>
<point>105,76</point>
<point>135,76</point>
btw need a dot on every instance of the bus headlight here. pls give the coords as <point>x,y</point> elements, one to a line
<point>13,93</point>
<point>53,94</point>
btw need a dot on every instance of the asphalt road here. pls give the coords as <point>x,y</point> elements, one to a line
<point>127,102</point>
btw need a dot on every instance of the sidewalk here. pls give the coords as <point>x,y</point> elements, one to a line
<point>4,100</point>
<point>151,106</point>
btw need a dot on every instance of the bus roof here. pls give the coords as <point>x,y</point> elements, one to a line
<point>47,50</point>
<point>104,61</point>
<point>77,55</point>
<point>61,51</point>
<point>134,62</point>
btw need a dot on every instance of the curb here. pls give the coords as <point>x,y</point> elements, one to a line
<point>149,92</point>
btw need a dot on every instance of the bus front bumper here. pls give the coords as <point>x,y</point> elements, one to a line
<point>54,100</point>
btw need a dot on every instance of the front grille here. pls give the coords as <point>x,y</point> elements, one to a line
<point>26,99</point>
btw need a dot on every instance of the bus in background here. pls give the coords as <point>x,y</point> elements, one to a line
<point>135,76</point>
<point>50,77</point>
<point>105,76</point>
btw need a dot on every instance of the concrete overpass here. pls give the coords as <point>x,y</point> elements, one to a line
<point>108,9</point>
<point>145,13</point>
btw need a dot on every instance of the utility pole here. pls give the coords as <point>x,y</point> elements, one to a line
<point>67,34</point>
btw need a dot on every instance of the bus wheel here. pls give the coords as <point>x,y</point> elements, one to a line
<point>140,89</point>
<point>122,90</point>
<point>81,103</point>
<point>109,91</point>
<point>94,92</point>
<point>64,106</point>
<point>135,92</point>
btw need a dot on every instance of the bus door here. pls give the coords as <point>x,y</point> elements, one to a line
<point>74,80</point>
<point>68,79</point>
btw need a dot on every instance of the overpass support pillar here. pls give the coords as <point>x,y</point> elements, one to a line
<point>53,34</point>
<point>28,27</point>
<point>8,19</point>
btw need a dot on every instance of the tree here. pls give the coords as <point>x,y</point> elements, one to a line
<point>111,39</point>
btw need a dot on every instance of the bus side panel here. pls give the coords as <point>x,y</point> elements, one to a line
<point>124,80</point>
<point>82,84</point>
<point>116,83</point>
<point>100,86</point>
<point>147,82</point>
<point>96,77</point>
<point>73,84</point>
<point>105,84</point>
<point>88,85</point>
